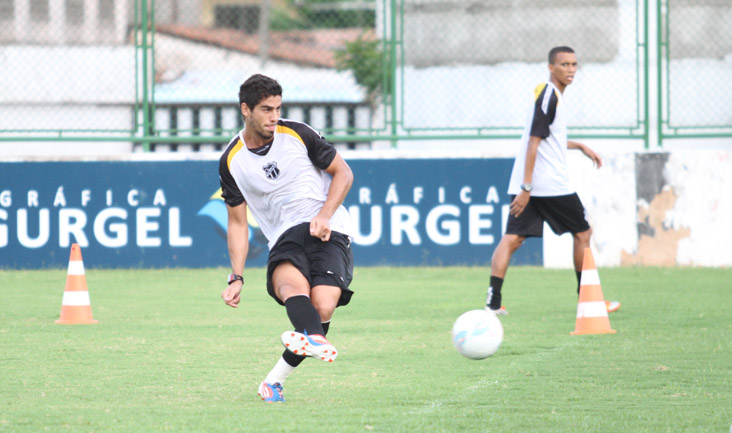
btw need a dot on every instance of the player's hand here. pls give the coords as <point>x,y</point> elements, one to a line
<point>587,151</point>
<point>320,228</point>
<point>519,203</point>
<point>232,294</point>
<point>593,156</point>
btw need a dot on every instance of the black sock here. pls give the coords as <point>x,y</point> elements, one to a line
<point>303,316</point>
<point>579,280</point>
<point>295,360</point>
<point>493,297</point>
<point>291,358</point>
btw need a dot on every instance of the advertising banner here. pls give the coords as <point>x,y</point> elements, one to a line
<point>159,214</point>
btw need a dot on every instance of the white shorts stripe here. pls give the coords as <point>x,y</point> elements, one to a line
<point>75,298</point>
<point>590,278</point>
<point>76,267</point>
<point>591,309</point>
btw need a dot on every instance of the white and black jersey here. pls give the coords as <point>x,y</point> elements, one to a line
<point>546,119</point>
<point>283,182</point>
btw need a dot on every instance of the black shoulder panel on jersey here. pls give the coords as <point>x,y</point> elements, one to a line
<point>229,190</point>
<point>545,108</point>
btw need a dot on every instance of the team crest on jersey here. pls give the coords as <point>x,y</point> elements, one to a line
<point>271,170</point>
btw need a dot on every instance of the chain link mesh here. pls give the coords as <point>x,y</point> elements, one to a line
<point>696,66</point>
<point>164,74</point>
<point>474,65</point>
<point>66,66</point>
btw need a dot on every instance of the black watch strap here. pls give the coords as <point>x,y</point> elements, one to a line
<point>235,277</point>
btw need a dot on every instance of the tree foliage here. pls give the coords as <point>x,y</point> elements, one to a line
<point>369,63</point>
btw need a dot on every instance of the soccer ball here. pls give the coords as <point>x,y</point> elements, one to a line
<point>477,334</point>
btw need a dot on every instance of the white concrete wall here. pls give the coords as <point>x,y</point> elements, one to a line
<point>682,218</point>
<point>448,32</point>
<point>668,207</point>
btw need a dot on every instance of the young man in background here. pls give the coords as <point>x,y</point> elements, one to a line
<point>540,187</point>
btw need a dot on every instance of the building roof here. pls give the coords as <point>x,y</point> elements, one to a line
<point>304,47</point>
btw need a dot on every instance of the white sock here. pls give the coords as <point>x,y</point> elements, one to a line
<point>280,372</point>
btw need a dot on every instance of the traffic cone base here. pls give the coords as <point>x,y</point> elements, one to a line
<point>76,315</point>
<point>76,306</point>
<point>595,325</point>
<point>592,315</point>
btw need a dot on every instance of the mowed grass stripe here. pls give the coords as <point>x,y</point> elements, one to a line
<point>168,355</point>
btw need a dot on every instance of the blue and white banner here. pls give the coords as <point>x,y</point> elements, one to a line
<point>155,214</point>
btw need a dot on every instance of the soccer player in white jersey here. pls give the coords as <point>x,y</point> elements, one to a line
<point>294,184</point>
<point>540,188</point>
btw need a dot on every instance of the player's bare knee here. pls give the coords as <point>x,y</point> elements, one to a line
<point>325,310</point>
<point>583,238</point>
<point>516,243</point>
<point>286,291</point>
<point>324,305</point>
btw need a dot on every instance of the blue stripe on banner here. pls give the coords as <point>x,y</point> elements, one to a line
<point>154,214</point>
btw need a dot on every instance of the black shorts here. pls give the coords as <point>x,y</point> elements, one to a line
<point>564,214</point>
<point>322,263</point>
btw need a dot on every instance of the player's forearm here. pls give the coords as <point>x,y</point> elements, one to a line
<point>587,151</point>
<point>237,239</point>
<point>340,184</point>
<point>575,145</point>
<point>530,160</point>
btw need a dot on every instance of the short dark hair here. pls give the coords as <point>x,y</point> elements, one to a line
<point>256,88</point>
<point>556,50</point>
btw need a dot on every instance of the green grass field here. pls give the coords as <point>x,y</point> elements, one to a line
<point>168,355</point>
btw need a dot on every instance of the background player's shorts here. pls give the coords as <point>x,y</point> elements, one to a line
<point>563,213</point>
<point>322,263</point>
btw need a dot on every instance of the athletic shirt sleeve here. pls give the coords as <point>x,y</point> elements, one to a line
<point>229,190</point>
<point>545,107</point>
<point>320,152</point>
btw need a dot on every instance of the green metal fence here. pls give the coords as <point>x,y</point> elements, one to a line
<point>482,60</point>
<point>695,68</point>
<point>165,73</point>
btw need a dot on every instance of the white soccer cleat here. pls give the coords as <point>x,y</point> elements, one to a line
<point>314,346</point>
<point>612,306</point>
<point>499,312</point>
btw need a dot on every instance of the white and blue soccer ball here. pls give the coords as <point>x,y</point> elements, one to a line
<point>477,334</point>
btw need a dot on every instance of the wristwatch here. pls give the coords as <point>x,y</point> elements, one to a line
<point>235,277</point>
<point>527,187</point>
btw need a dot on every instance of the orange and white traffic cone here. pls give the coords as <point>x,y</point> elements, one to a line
<point>76,307</point>
<point>591,309</point>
